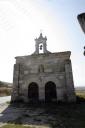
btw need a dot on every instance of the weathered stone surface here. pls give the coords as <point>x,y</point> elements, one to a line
<point>50,74</point>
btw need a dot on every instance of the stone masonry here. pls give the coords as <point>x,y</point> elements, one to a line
<point>43,76</point>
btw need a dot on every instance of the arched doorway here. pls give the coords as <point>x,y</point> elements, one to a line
<point>33,92</point>
<point>50,92</point>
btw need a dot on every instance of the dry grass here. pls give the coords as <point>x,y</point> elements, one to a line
<point>23,126</point>
<point>5,91</point>
<point>80,93</point>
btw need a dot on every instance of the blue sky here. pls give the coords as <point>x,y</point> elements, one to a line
<point>21,22</point>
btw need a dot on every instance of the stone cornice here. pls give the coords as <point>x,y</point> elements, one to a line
<point>56,54</point>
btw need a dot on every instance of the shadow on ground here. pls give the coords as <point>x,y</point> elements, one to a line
<point>52,115</point>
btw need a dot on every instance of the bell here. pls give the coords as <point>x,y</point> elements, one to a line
<point>40,47</point>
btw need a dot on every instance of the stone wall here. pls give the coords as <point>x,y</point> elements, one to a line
<point>43,68</point>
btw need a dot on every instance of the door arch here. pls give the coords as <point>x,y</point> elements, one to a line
<point>50,92</point>
<point>33,92</point>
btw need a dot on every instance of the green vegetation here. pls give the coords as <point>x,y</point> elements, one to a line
<point>22,126</point>
<point>8,102</point>
<point>14,126</point>
<point>5,84</point>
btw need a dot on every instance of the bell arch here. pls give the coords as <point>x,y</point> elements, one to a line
<point>41,45</point>
<point>33,92</point>
<point>50,92</point>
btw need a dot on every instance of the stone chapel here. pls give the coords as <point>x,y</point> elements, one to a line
<point>43,76</point>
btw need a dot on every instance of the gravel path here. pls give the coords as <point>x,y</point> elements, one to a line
<point>5,99</point>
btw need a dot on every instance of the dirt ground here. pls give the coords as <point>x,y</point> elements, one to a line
<point>47,116</point>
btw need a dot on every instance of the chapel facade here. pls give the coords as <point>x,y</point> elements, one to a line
<point>43,76</point>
